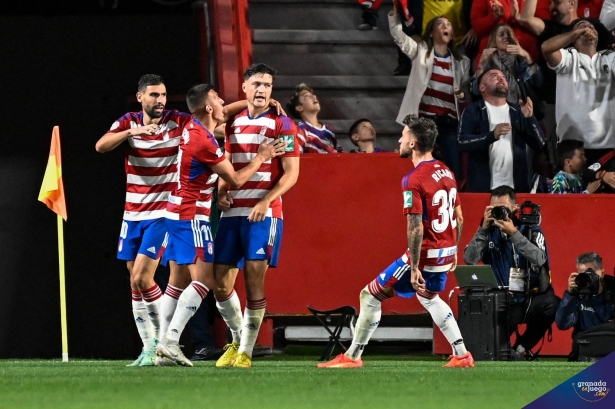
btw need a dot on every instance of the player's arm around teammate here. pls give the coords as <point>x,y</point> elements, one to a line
<point>189,208</point>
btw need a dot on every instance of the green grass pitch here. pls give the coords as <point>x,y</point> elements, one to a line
<point>279,382</point>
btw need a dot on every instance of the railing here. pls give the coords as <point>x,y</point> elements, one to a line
<point>225,45</point>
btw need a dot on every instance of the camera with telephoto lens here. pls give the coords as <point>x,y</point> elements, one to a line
<point>588,284</point>
<point>500,212</point>
<point>529,213</point>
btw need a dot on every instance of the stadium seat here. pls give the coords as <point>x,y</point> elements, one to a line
<point>344,316</point>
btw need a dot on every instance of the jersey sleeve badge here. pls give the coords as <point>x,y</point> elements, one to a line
<point>290,142</point>
<point>407,199</point>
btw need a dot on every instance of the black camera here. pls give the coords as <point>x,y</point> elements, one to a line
<point>500,212</point>
<point>529,213</point>
<point>588,284</point>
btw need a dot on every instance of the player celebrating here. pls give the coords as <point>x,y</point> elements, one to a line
<point>250,227</point>
<point>153,137</point>
<point>433,211</point>
<point>189,206</point>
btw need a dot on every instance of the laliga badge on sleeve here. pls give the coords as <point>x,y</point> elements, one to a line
<point>407,199</point>
<point>595,167</point>
<point>210,248</point>
<point>516,280</point>
<point>290,142</point>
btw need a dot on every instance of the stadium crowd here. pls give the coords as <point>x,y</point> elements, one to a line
<point>556,63</point>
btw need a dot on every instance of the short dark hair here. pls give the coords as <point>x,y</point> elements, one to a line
<point>504,190</point>
<point>592,257</point>
<point>354,128</point>
<point>258,68</point>
<point>147,80</point>
<point>490,66</point>
<point>424,130</point>
<point>293,101</point>
<point>197,95</point>
<point>566,150</point>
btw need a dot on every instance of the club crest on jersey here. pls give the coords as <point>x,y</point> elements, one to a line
<point>407,199</point>
<point>290,142</point>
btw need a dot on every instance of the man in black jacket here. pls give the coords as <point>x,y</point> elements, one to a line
<point>591,310</point>
<point>495,134</point>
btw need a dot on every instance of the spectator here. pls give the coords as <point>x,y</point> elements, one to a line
<point>572,160</point>
<point>487,15</point>
<point>504,53</point>
<point>604,171</point>
<point>314,137</point>
<point>363,136</point>
<point>589,310</point>
<point>585,92</point>
<point>437,84</point>
<point>412,20</point>
<point>514,251</point>
<point>563,16</point>
<point>607,14</point>
<point>370,14</point>
<point>590,8</point>
<point>496,133</point>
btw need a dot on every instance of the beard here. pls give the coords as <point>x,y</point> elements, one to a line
<point>501,91</point>
<point>556,16</point>
<point>151,112</point>
<point>405,153</point>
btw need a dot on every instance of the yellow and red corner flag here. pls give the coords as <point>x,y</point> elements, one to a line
<point>52,194</point>
<point>52,190</point>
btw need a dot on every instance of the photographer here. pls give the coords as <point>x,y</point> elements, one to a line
<point>587,304</point>
<point>501,241</point>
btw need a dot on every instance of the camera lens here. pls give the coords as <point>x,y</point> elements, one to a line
<point>582,281</point>
<point>499,212</point>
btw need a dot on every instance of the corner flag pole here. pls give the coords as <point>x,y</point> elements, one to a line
<point>52,194</point>
<point>62,289</point>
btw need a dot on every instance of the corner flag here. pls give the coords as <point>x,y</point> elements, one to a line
<point>52,190</point>
<point>52,194</point>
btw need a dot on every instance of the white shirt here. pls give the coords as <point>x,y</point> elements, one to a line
<point>500,152</point>
<point>585,98</point>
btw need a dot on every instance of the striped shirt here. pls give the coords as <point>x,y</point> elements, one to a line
<point>198,153</point>
<point>151,169</point>
<point>316,140</point>
<point>243,137</point>
<point>430,190</point>
<point>439,96</point>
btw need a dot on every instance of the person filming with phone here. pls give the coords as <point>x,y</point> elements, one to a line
<point>512,242</point>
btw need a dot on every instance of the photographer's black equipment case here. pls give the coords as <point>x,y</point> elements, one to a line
<point>483,323</point>
<point>595,343</point>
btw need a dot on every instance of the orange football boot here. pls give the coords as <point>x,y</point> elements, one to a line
<point>342,361</point>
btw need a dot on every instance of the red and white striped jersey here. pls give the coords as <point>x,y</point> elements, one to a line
<point>243,137</point>
<point>151,168</point>
<point>439,96</point>
<point>430,190</point>
<point>198,153</point>
<point>316,140</point>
